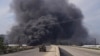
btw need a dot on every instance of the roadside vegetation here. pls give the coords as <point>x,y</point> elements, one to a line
<point>93,48</point>
<point>4,49</point>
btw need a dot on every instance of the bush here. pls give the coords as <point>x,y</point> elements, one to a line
<point>2,46</point>
<point>7,49</point>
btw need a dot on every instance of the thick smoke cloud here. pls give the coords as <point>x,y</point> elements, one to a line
<point>47,21</point>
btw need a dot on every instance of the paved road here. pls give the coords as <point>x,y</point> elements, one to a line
<point>77,51</point>
<point>34,52</point>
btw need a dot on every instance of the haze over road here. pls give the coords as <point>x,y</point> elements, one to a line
<point>77,51</point>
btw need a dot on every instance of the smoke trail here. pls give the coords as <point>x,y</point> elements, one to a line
<point>46,21</point>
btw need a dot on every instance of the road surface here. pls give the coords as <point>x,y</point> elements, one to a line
<point>77,51</point>
<point>34,52</point>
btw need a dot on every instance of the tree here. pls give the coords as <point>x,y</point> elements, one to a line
<point>1,42</point>
<point>2,47</point>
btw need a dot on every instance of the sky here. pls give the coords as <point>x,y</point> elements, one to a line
<point>90,10</point>
<point>6,16</point>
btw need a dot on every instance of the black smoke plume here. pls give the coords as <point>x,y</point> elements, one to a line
<point>47,21</point>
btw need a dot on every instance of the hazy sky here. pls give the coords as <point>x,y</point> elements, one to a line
<point>90,9</point>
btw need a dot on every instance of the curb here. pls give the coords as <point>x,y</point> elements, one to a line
<point>57,50</point>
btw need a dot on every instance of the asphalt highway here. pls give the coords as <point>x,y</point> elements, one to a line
<point>77,51</point>
<point>34,52</point>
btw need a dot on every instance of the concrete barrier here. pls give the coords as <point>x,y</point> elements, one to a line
<point>57,51</point>
<point>53,51</point>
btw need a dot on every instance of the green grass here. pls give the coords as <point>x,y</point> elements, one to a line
<point>93,48</point>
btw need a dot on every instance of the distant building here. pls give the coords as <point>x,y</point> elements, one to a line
<point>24,45</point>
<point>92,46</point>
<point>14,45</point>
